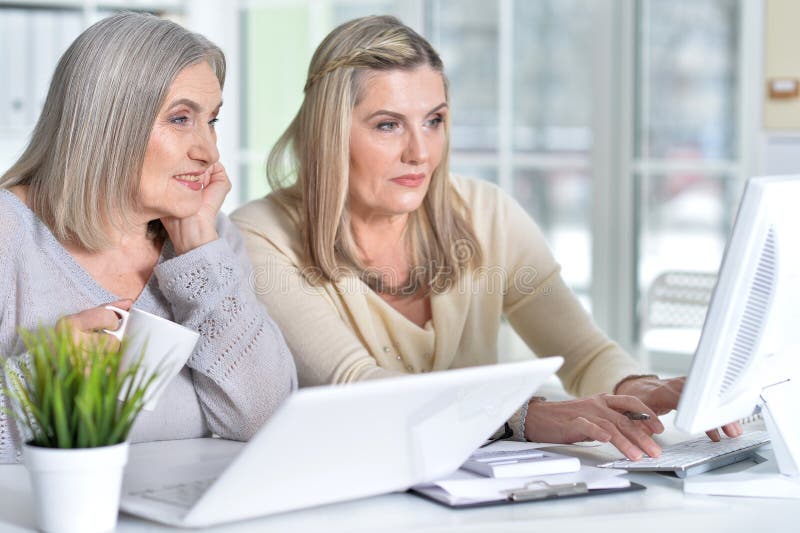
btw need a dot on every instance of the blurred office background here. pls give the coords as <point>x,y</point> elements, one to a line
<point>625,127</point>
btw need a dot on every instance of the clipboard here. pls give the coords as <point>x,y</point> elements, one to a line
<point>535,491</point>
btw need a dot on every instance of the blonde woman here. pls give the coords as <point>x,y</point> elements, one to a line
<point>376,261</point>
<point>116,200</point>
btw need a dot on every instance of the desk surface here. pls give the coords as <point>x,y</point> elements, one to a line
<point>662,507</point>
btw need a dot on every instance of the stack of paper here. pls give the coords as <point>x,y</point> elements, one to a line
<point>468,488</point>
<point>519,463</point>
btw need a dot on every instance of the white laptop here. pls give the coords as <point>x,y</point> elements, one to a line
<point>329,444</point>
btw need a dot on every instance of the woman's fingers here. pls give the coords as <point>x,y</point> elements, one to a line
<point>591,430</point>
<point>661,395</point>
<point>734,429</point>
<point>86,327</point>
<point>631,437</point>
<point>600,418</point>
<point>619,439</point>
<point>677,384</point>
<point>125,304</point>
<point>640,435</point>
<point>218,186</point>
<point>622,404</point>
<point>95,319</point>
<point>99,340</point>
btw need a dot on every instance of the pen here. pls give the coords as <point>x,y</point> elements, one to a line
<point>636,416</point>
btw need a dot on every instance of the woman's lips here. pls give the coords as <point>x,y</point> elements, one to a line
<point>192,181</point>
<point>410,180</point>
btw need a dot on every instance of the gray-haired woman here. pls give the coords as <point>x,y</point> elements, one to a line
<point>116,200</point>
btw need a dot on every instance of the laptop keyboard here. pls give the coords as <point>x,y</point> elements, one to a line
<point>182,494</point>
<point>697,455</point>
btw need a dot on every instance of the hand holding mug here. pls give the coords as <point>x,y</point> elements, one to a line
<point>160,345</point>
<point>88,327</point>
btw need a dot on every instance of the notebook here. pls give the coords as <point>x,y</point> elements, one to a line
<point>330,444</point>
<point>520,463</point>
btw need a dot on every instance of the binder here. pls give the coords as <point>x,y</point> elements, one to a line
<point>465,489</point>
<point>532,492</point>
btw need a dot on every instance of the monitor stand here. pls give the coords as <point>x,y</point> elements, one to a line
<point>776,477</point>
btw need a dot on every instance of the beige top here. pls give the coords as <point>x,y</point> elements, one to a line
<point>346,332</point>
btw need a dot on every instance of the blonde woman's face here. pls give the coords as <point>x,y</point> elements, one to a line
<point>397,140</point>
<point>182,146</point>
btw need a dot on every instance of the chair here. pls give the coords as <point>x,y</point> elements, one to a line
<point>679,299</point>
<point>675,310</point>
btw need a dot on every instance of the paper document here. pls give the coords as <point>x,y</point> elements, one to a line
<point>512,446</point>
<point>463,484</point>
<point>519,463</point>
<point>464,488</point>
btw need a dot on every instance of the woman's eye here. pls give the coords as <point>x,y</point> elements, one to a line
<point>179,120</point>
<point>213,122</point>
<point>435,121</point>
<point>388,126</point>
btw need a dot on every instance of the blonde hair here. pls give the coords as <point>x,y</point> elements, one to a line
<point>83,164</point>
<point>316,145</point>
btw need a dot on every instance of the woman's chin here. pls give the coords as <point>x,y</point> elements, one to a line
<point>180,211</point>
<point>407,203</point>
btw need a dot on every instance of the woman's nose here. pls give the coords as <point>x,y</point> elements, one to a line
<point>416,151</point>
<point>204,147</point>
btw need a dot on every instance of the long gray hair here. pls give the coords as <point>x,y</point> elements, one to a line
<point>83,164</point>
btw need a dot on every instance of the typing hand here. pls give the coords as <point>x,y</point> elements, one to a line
<point>597,417</point>
<point>662,396</point>
<point>734,429</point>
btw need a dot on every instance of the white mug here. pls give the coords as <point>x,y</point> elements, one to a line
<point>163,346</point>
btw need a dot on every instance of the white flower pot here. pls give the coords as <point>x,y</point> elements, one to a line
<point>76,490</point>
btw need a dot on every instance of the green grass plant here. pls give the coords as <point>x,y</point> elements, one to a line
<point>66,392</point>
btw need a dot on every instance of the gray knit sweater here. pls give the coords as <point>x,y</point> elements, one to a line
<point>240,370</point>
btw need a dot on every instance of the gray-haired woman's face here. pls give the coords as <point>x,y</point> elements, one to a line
<point>182,146</point>
<point>397,140</point>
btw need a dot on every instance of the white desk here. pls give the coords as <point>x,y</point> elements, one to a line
<point>662,507</point>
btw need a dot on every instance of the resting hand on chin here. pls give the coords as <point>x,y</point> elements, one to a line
<point>190,232</point>
<point>662,396</point>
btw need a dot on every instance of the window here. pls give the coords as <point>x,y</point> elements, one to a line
<point>688,167</point>
<point>33,36</point>
<point>623,127</point>
<point>527,80</point>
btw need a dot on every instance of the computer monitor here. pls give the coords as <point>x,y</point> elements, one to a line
<point>749,350</point>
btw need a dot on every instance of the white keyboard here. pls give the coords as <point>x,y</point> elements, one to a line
<point>181,494</point>
<point>698,455</point>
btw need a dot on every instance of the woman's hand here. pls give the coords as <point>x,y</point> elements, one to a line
<point>196,230</point>
<point>662,396</point>
<point>598,417</point>
<point>86,327</point>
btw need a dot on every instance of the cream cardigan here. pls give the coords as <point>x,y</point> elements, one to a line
<point>345,332</point>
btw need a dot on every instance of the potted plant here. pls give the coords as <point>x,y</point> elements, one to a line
<point>77,403</point>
